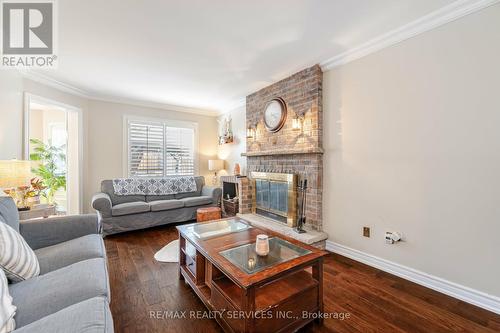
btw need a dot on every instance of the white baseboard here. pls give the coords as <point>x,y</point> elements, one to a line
<point>466,294</point>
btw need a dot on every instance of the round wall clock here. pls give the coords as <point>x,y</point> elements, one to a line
<point>275,114</point>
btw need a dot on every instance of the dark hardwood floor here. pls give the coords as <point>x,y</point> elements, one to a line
<point>375,301</point>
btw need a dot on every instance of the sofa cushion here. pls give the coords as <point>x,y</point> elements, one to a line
<point>46,294</point>
<point>67,253</point>
<point>89,316</point>
<point>17,258</point>
<point>157,206</point>
<point>8,212</point>
<point>200,181</point>
<point>107,187</point>
<point>150,198</point>
<point>130,208</point>
<point>197,201</point>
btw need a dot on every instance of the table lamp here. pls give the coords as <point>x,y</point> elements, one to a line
<point>15,174</point>
<point>215,165</point>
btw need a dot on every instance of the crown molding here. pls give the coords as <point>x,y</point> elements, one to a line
<point>67,88</point>
<point>236,105</point>
<point>155,105</point>
<point>425,23</point>
<point>53,83</point>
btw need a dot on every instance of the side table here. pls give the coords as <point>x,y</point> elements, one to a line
<point>230,207</point>
<point>208,214</point>
<point>36,212</point>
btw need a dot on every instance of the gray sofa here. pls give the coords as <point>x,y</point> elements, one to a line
<point>119,213</point>
<point>71,294</point>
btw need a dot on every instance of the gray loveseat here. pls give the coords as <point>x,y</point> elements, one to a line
<point>71,294</point>
<point>119,213</point>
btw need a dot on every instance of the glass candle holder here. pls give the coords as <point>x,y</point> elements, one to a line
<point>262,245</point>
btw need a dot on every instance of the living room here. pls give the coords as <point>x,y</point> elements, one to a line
<point>311,166</point>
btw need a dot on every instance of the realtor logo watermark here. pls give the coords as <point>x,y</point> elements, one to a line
<point>28,34</point>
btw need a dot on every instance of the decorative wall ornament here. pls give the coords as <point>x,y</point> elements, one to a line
<point>237,169</point>
<point>226,131</point>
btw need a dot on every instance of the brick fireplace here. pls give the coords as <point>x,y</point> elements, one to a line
<point>290,150</point>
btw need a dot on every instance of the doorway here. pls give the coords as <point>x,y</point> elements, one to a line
<point>53,142</point>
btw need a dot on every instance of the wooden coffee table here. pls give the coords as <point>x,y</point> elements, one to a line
<point>281,292</point>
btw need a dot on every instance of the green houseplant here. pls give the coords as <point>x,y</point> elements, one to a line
<point>47,170</point>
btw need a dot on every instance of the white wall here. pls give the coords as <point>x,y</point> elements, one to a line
<point>11,116</point>
<point>102,129</point>
<point>106,139</point>
<point>412,140</point>
<point>231,153</point>
<point>74,168</point>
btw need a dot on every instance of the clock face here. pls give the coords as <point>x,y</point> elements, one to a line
<point>275,115</point>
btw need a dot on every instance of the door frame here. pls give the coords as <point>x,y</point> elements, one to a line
<point>28,98</point>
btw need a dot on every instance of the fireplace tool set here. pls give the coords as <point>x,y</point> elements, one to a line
<point>302,189</point>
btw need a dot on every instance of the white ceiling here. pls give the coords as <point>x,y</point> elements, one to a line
<point>211,54</point>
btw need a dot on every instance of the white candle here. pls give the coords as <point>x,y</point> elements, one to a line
<point>262,245</point>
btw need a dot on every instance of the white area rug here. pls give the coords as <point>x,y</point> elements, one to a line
<point>169,253</point>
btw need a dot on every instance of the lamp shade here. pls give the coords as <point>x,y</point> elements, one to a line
<point>14,173</point>
<point>215,165</point>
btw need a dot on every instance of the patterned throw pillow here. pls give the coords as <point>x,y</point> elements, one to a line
<point>17,259</point>
<point>7,310</point>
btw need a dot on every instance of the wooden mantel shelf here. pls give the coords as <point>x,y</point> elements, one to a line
<point>284,152</point>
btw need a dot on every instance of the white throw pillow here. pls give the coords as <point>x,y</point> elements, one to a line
<point>7,310</point>
<point>17,259</point>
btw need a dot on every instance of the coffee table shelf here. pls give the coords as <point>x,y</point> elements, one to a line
<point>270,294</point>
<point>286,288</point>
<point>230,291</point>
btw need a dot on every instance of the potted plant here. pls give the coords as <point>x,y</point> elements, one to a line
<point>52,179</point>
<point>32,195</point>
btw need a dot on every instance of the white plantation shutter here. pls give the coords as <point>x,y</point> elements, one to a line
<point>179,151</point>
<point>156,149</point>
<point>146,142</point>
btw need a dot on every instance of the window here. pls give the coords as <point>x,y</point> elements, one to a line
<point>160,148</point>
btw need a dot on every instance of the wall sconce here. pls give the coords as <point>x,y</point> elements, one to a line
<point>297,122</point>
<point>251,132</point>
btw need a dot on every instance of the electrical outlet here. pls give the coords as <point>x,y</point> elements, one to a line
<point>366,232</point>
<point>392,237</point>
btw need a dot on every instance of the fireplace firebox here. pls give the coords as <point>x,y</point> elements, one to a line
<point>275,196</point>
<point>229,190</point>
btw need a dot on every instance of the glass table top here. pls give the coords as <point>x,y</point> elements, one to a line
<point>218,228</point>
<point>245,257</point>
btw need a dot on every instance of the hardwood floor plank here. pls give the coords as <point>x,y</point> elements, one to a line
<point>376,301</point>
<point>378,292</point>
<point>458,307</point>
<point>353,303</point>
